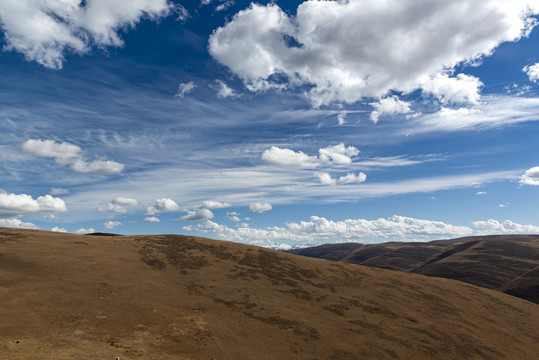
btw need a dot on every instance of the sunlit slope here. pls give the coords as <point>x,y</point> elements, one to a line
<point>68,296</point>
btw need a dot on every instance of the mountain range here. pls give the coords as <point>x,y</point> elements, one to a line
<point>508,263</point>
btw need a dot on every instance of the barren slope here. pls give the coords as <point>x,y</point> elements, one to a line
<point>67,296</point>
<point>488,261</point>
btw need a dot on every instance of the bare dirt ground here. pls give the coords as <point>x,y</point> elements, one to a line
<point>66,296</point>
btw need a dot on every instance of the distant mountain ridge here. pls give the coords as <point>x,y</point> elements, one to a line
<point>507,263</point>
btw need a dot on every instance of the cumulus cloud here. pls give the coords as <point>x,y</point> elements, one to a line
<point>184,89</point>
<point>13,205</point>
<point>68,154</point>
<point>320,229</point>
<point>532,71</point>
<point>338,154</point>
<point>44,30</point>
<point>50,217</point>
<point>85,231</point>
<point>531,176</point>
<point>212,204</point>
<point>481,193</point>
<point>151,219</point>
<point>260,207</point>
<point>18,224</point>
<point>162,205</point>
<point>112,224</point>
<point>462,89</point>
<point>350,178</point>
<point>223,90</point>
<point>492,226</point>
<point>391,105</point>
<point>58,191</point>
<point>118,205</point>
<point>349,50</point>
<point>59,229</point>
<point>286,157</point>
<point>198,215</point>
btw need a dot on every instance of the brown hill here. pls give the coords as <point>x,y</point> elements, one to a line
<point>493,262</point>
<point>66,296</point>
<point>525,286</point>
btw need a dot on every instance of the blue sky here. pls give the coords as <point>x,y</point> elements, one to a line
<point>279,124</point>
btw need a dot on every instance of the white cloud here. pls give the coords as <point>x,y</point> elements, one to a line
<point>225,5</point>
<point>341,118</point>
<point>151,219</point>
<point>58,191</point>
<point>118,205</point>
<point>69,154</point>
<point>492,226</point>
<point>463,89</point>
<point>112,224</point>
<point>532,71</point>
<point>287,157</point>
<point>212,204</point>
<point>481,193</point>
<point>338,154</point>
<point>232,213</point>
<point>198,215</point>
<point>260,207</point>
<point>50,217</point>
<point>491,112</point>
<point>97,167</point>
<point>162,205</point>
<point>18,224</point>
<point>184,89</point>
<point>234,218</point>
<point>223,90</point>
<point>399,228</point>
<point>503,205</point>
<point>531,176</point>
<point>391,105</point>
<point>393,161</point>
<point>85,231</point>
<point>13,205</point>
<point>59,229</point>
<point>326,179</point>
<point>350,50</point>
<point>44,30</point>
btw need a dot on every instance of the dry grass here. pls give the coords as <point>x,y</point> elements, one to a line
<point>68,296</point>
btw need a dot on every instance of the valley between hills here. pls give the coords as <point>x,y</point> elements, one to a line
<point>65,296</point>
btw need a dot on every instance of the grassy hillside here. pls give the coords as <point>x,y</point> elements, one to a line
<point>494,262</point>
<point>66,296</point>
